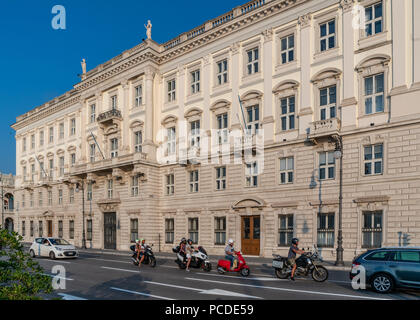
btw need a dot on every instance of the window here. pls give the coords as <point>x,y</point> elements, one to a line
<point>60,196</point>
<point>110,188</point>
<point>169,230</point>
<point>287,106</point>
<point>222,128</point>
<point>138,96</point>
<point>40,200</point>
<point>51,174</point>
<point>222,72</point>
<point>195,81</point>
<point>221,178</point>
<point>253,123</point>
<point>251,174</point>
<point>372,229</point>
<point>378,256</point>
<point>171,144</point>
<point>72,127</point>
<point>61,131</point>
<point>50,198</point>
<point>32,141</point>
<point>71,195</point>
<point>195,133</point>
<point>60,228</point>
<point>23,229</point>
<point>61,160</point>
<point>193,229</point>
<point>51,135</point>
<point>373,19</point>
<point>33,172</point>
<point>89,194</point>
<point>137,141</point>
<point>253,61</point>
<point>92,113</point>
<point>374,94</point>
<point>41,138</point>
<point>71,229</point>
<point>134,186</point>
<point>31,200</point>
<point>287,50</point>
<point>24,145</point>
<point>40,229</point>
<point>285,230</point>
<point>41,170</point>
<point>326,165</point>
<point>89,230</point>
<point>134,230</point>
<point>73,159</point>
<point>114,102</point>
<point>170,184</point>
<point>31,228</point>
<point>327,35</point>
<point>92,152</point>
<point>328,99</point>
<point>24,173</point>
<point>114,148</point>
<point>194,181</point>
<point>171,90</point>
<point>219,230</point>
<point>406,256</point>
<point>286,170</point>
<point>373,159</point>
<point>325,230</point>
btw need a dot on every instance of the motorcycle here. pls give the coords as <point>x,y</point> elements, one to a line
<point>224,266</point>
<point>305,265</point>
<point>149,257</point>
<point>199,259</point>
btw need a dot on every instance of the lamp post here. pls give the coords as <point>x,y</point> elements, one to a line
<point>338,154</point>
<point>82,185</point>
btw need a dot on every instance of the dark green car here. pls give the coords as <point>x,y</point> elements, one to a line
<point>390,268</point>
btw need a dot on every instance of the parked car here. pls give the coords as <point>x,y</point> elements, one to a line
<point>55,248</point>
<point>389,268</point>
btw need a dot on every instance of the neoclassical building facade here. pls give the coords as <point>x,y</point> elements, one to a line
<point>307,73</point>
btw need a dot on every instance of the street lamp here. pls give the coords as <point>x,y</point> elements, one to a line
<point>338,154</point>
<point>82,185</point>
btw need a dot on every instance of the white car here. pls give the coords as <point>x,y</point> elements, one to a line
<point>55,248</point>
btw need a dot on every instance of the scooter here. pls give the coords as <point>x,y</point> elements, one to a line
<point>224,266</point>
<point>149,257</point>
<point>199,259</point>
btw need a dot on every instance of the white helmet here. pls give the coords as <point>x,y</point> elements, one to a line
<point>230,241</point>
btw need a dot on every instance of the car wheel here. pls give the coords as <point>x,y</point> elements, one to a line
<point>52,255</point>
<point>32,253</point>
<point>382,283</point>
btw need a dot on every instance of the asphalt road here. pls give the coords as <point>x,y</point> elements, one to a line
<point>107,277</point>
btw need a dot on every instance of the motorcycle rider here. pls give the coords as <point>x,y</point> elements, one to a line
<point>141,251</point>
<point>291,258</point>
<point>189,249</point>
<point>229,252</point>
<point>182,249</point>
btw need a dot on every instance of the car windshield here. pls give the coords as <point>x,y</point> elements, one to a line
<point>59,242</point>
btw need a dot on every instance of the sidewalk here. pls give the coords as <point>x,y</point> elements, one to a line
<point>252,261</point>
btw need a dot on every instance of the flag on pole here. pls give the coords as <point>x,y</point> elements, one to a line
<point>94,139</point>
<point>243,114</point>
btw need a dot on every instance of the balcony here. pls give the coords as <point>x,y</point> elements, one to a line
<point>325,128</point>
<point>109,117</point>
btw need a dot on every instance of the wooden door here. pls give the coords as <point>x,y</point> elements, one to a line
<point>110,230</point>
<point>250,238</point>
<point>50,228</point>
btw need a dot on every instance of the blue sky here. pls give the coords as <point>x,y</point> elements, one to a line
<point>39,63</point>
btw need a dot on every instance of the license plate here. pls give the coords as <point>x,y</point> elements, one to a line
<point>70,253</point>
<point>277,264</point>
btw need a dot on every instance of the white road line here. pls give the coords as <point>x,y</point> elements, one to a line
<point>55,261</point>
<point>141,294</point>
<point>108,260</point>
<point>55,276</point>
<point>118,269</point>
<point>288,290</point>
<point>70,297</point>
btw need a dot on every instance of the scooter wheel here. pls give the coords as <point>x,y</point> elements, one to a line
<point>207,267</point>
<point>245,272</point>
<point>152,262</point>
<point>220,270</point>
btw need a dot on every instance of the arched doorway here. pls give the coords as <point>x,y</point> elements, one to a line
<point>8,202</point>
<point>9,224</point>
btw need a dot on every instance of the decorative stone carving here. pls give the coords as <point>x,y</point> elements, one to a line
<point>268,34</point>
<point>148,30</point>
<point>346,5</point>
<point>234,48</point>
<point>305,20</point>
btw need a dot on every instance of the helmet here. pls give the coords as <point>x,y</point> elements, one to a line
<point>230,241</point>
<point>137,240</point>
<point>142,239</point>
<point>189,240</point>
<point>183,239</point>
<point>295,240</point>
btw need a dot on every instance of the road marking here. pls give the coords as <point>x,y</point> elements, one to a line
<point>141,294</point>
<point>108,260</point>
<point>264,278</point>
<point>118,269</point>
<point>289,290</point>
<point>55,276</point>
<point>70,297</point>
<point>55,261</point>
<point>218,292</point>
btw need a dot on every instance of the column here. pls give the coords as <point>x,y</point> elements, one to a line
<point>235,74</point>
<point>399,31</point>
<point>268,119</point>
<point>125,130</point>
<point>416,41</point>
<point>149,146</point>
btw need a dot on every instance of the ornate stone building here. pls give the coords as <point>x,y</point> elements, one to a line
<point>308,72</point>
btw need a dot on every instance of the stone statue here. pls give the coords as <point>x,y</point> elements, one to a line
<point>83,63</point>
<point>149,29</point>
